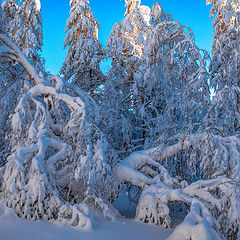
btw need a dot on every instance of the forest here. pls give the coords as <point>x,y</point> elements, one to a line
<point>161,127</point>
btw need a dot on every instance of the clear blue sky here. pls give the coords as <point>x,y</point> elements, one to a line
<point>193,13</point>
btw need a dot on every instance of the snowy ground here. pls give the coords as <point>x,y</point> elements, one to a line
<point>14,228</point>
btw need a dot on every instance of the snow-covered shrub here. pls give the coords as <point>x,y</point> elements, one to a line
<point>42,143</point>
<point>211,212</point>
<point>209,157</point>
<point>78,215</point>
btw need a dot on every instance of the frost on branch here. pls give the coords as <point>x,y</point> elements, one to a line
<point>139,169</point>
<point>158,15</point>
<point>2,19</point>
<point>58,156</point>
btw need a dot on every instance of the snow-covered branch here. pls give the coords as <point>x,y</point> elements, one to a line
<point>11,50</point>
<point>210,209</point>
<point>58,154</point>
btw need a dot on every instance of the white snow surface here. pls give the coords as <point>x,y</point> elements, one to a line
<point>38,5</point>
<point>121,229</point>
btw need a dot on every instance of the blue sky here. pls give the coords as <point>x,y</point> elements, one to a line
<point>193,13</point>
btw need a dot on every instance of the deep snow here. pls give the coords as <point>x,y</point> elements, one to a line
<point>14,228</point>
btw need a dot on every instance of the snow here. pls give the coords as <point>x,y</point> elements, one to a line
<point>38,5</point>
<point>60,167</point>
<point>121,229</point>
<point>16,54</point>
<point>85,50</point>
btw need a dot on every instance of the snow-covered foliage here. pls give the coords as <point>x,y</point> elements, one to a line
<point>57,155</point>
<point>158,15</point>
<point>23,24</point>
<point>11,87</point>
<point>3,118</point>
<point>125,47</point>
<point>2,19</point>
<point>126,43</point>
<point>165,90</point>
<point>81,65</point>
<point>116,118</point>
<point>214,203</point>
<point>25,28</point>
<point>200,221</point>
<point>77,215</point>
<point>224,115</point>
<point>171,87</point>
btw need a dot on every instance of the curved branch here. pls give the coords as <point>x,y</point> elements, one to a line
<point>20,58</point>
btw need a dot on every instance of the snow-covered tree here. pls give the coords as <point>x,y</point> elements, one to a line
<point>115,117</point>
<point>213,203</point>
<point>12,79</point>
<point>171,87</point>
<point>126,43</point>
<point>81,65</point>
<point>25,28</point>
<point>60,153</point>
<point>9,90</point>
<point>225,67</point>
<point>58,157</point>
<point>194,154</point>
<point>125,48</point>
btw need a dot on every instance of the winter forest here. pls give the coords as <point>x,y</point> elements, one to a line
<point>160,128</point>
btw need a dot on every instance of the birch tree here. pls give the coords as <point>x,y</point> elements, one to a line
<point>171,87</point>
